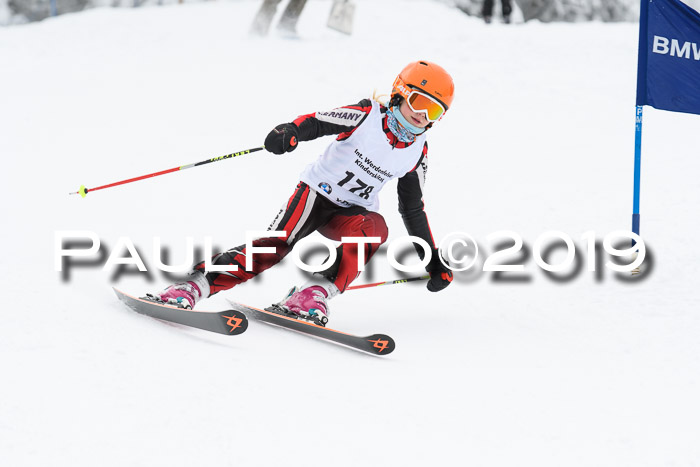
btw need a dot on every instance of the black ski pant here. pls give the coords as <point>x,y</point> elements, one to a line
<point>506,8</point>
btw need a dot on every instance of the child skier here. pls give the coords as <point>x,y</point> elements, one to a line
<point>337,194</point>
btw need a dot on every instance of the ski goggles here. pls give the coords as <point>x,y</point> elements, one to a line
<point>421,102</point>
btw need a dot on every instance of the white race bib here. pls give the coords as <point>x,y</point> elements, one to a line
<point>353,171</point>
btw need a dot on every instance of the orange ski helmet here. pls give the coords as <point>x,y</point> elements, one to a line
<point>426,77</point>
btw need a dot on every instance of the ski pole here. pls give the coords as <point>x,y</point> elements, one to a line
<point>397,281</point>
<point>84,191</point>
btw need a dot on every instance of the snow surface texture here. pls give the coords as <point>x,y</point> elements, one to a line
<point>583,372</point>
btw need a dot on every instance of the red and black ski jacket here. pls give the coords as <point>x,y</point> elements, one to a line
<point>410,186</point>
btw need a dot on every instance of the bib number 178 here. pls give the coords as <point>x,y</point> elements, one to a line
<point>367,189</point>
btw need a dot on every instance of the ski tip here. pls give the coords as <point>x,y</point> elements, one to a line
<point>380,344</point>
<point>119,293</point>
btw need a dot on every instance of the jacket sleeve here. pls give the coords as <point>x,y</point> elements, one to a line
<point>411,206</point>
<point>340,121</point>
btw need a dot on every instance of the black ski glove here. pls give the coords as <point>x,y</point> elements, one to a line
<point>440,275</point>
<point>284,138</point>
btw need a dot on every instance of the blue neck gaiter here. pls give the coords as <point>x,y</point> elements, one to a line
<point>399,126</point>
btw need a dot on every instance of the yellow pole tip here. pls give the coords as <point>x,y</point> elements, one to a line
<point>83,191</point>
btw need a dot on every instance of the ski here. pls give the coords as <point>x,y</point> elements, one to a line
<point>377,344</point>
<point>229,322</point>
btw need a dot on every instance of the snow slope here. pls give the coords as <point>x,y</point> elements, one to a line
<point>590,371</point>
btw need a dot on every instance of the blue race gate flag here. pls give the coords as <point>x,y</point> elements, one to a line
<point>668,70</point>
<point>668,73</point>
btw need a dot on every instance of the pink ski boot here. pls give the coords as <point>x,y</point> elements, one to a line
<point>310,302</point>
<point>184,295</point>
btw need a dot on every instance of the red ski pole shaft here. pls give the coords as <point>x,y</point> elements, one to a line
<point>84,191</point>
<point>397,281</point>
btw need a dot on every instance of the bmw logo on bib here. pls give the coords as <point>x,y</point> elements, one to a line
<point>325,187</point>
